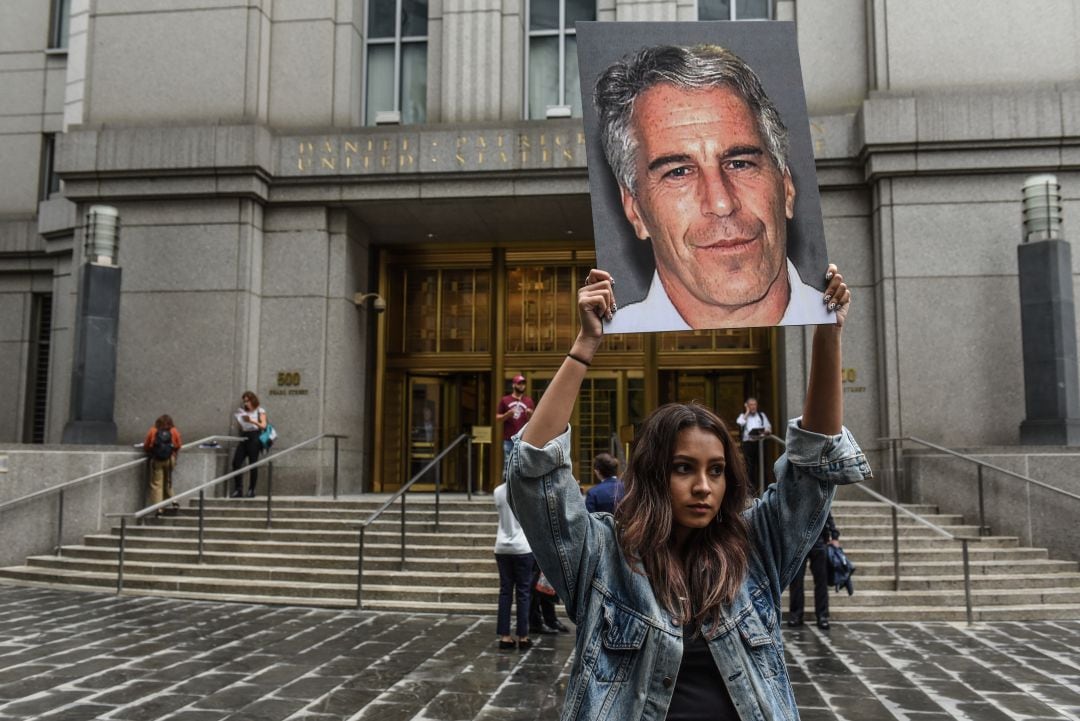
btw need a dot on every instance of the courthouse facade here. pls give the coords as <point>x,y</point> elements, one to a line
<point>272,159</point>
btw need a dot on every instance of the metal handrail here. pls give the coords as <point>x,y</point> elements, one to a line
<point>896,508</point>
<point>201,491</point>
<point>894,446</point>
<point>60,488</point>
<point>463,438</point>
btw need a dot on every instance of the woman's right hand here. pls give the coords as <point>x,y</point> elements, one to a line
<point>596,302</point>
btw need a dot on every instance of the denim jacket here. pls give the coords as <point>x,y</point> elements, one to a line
<point>628,647</point>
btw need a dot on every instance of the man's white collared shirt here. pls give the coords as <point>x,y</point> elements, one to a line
<point>655,311</point>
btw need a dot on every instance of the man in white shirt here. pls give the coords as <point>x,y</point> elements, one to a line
<point>754,425</point>
<point>700,155</point>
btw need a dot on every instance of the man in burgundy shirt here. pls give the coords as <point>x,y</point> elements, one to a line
<point>514,411</point>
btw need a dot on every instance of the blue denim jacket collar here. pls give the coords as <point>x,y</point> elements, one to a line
<point>628,647</point>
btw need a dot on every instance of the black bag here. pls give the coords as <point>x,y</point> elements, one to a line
<point>162,449</point>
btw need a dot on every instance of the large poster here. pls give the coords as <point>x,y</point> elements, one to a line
<point>704,193</point>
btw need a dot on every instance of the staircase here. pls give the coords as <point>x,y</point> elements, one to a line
<point>308,557</point>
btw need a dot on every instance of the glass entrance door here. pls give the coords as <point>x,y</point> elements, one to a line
<point>438,409</point>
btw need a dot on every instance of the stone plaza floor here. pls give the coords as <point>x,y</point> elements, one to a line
<point>67,655</point>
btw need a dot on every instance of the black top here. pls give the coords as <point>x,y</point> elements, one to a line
<point>700,693</point>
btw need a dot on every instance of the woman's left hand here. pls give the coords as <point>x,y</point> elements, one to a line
<point>596,302</point>
<point>837,295</point>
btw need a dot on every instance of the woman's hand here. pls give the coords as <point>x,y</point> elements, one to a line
<point>596,302</point>
<point>837,294</point>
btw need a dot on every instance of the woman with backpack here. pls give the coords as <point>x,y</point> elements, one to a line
<point>162,446</point>
<point>251,417</point>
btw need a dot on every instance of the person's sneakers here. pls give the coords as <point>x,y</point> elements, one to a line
<point>823,623</point>
<point>504,645</point>
<point>251,493</point>
<point>560,627</point>
<point>794,621</point>
<point>236,494</point>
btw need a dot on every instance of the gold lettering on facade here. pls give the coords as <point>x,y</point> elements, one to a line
<point>327,146</point>
<point>568,154</point>
<point>405,160</point>
<point>481,142</point>
<point>580,138</point>
<point>351,147</point>
<point>348,162</point>
<point>327,163</point>
<point>545,155</point>
<point>502,157</point>
<point>306,148</point>
<point>460,159</point>
<point>303,163</point>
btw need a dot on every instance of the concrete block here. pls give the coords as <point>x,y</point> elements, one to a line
<point>185,258</point>
<point>77,151</point>
<point>295,219</point>
<point>289,10</point>
<point>976,395</point>
<point>970,189</point>
<point>14,320</point>
<point>196,354</point>
<point>931,45</point>
<point>844,86</point>
<point>25,26</point>
<point>302,73</point>
<point>153,148</point>
<point>135,59</point>
<point>998,160</point>
<point>20,157</point>
<point>929,241</point>
<point>888,120</point>
<point>22,91</point>
<point>851,248</point>
<point>57,216</point>
<point>295,264</point>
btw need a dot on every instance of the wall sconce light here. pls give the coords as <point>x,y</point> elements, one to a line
<point>374,301</point>
<point>102,235</point>
<point>1042,208</point>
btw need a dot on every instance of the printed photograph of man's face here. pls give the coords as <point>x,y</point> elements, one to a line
<point>704,191</point>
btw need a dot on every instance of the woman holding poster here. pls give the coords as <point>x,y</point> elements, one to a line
<point>677,596</point>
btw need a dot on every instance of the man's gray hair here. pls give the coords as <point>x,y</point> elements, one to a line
<point>696,68</point>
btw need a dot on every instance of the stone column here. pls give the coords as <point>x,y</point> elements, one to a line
<point>1048,324</point>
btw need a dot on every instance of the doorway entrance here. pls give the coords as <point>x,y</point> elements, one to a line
<point>436,409</point>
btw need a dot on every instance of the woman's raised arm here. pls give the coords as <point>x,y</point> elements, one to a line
<point>823,411</point>
<point>596,301</point>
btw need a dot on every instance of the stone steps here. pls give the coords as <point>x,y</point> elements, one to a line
<point>309,554</point>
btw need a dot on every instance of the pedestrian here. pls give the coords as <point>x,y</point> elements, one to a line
<point>677,596</point>
<point>819,567</point>
<point>514,412</point>
<point>542,616</point>
<point>754,425</point>
<point>251,417</point>
<point>609,489</point>
<point>162,447</point>
<point>515,561</point>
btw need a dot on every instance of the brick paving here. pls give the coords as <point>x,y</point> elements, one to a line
<point>70,656</point>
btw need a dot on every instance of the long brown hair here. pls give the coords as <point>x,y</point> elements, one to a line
<point>714,561</point>
<point>164,422</point>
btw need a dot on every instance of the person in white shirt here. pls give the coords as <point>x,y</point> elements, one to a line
<point>755,426</point>
<point>515,560</point>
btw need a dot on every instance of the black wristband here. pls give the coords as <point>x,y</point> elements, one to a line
<point>582,361</point>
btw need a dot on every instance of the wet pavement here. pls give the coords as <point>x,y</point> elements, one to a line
<point>70,656</point>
